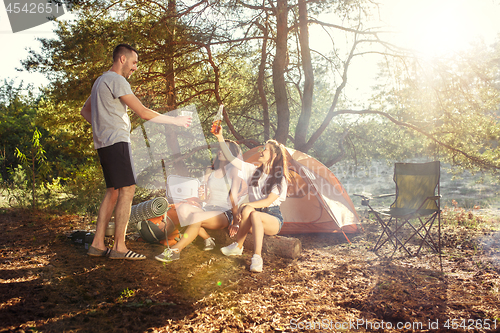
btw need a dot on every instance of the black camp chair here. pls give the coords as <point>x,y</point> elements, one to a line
<point>414,211</point>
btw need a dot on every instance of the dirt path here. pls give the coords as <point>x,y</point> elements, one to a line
<point>48,284</point>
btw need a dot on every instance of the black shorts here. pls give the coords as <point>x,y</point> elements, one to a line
<point>117,165</point>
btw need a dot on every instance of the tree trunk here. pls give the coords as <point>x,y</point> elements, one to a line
<point>285,247</point>
<point>279,66</point>
<point>33,184</point>
<point>171,131</point>
<point>307,96</point>
<point>331,113</point>
<point>260,83</point>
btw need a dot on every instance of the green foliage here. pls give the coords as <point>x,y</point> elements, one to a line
<point>35,164</point>
<point>126,293</point>
<point>85,189</point>
<point>60,134</point>
<point>17,113</point>
<point>453,104</point>
<point>19,188</point>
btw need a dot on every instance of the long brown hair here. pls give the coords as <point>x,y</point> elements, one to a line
<point>234,148</point>
<point>278,169</point>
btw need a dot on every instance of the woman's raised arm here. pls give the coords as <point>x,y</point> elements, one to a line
<point>227,153</point>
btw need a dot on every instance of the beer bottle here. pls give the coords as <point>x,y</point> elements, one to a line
<point>216,125</point>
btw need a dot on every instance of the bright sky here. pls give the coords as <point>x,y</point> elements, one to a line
<point>15,49</point>
<point>433,27</point>
<point>437,27</point>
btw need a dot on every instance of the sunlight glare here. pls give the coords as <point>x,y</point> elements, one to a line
<point>441,27</point>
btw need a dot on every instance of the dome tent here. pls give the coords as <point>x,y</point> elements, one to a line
<point>316,202</point>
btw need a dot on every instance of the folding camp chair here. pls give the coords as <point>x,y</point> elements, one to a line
<point>414,211</point>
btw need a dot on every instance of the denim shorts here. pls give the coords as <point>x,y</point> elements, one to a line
<point>273,211</point>
<point>228,213</point>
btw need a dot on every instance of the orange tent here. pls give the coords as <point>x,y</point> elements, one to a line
<point>317,202</point>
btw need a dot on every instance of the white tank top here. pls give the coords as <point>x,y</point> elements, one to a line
<point>219,191</point>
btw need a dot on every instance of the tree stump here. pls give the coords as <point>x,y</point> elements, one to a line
<point>285,247</point>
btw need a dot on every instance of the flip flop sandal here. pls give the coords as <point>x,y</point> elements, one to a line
<point>130,255</point>
<point>93,252</point>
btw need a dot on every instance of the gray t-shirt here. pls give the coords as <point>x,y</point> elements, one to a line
<point>110,121</point>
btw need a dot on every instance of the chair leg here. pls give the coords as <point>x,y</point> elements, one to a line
<point>426,234</point>
<point>386,230</point>
<point>397,243</point>
<point>439,241</point>
<point>402,245</point>
<point>433,246</point>
<point>390,234</point>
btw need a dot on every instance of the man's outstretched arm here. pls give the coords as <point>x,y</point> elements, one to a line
<point>147,114</point>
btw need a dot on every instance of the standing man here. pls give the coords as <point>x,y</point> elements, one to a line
<point>106,110</point>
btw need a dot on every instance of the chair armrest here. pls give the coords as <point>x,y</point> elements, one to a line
<point>364,195</point>
<point>365,198</point>
<point>384,196</point>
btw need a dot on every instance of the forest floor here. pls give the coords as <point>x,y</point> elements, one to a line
<point>49,284</point>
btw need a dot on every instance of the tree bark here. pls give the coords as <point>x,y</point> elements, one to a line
<point>171,131</point>
<point>331,113</point>
<point>260,83</point>
<point>307,96</point>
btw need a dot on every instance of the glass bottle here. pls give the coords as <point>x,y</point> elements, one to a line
<point>216,125</point>
<point>203,191</point>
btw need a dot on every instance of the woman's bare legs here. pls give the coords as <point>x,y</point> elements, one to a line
<point>259,223</point>
<point>245,225</point>
<point>203,233</point>
<point>201,220</point>
<point>262,223</point>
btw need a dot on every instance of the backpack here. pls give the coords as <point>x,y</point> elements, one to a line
<point>161,229</point>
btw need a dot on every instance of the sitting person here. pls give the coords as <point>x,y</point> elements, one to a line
<point>223,185</point>
<point>267,189</point>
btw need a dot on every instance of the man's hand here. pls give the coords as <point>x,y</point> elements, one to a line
<point>183,121</point>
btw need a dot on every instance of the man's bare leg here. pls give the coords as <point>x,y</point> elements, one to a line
<point>122,216</point>
<point>104,215</point>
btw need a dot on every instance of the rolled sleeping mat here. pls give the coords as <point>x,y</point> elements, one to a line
<point>156,229</point>
<point>150,231</point>
<point>148,209</point>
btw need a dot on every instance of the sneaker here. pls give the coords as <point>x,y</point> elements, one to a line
<point>232,250</point>
<point>168,255</point>
<point>257,263</point>
<point>209,244</point>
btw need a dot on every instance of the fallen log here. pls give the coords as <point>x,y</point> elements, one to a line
<point>285,247</point>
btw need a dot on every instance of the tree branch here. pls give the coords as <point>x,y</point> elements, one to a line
<point>475,159</point>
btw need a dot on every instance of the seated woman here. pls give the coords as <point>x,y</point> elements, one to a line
<point>267,189</point>
<point>223,185</point>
